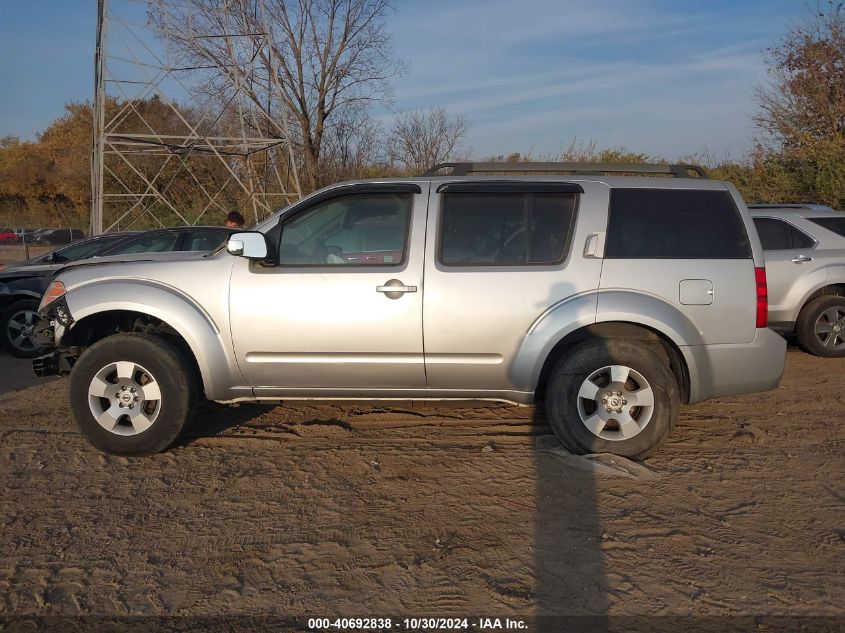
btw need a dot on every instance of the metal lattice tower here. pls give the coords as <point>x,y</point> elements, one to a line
<point>178,143</point>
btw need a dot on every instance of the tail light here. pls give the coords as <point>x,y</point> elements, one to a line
<point>762,297</point>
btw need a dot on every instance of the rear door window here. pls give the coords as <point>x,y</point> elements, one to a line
<point>506,229</point>
<point>675,224</point>
<point>777,235</point>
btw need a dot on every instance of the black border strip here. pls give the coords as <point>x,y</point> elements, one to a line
<point>509,186</point>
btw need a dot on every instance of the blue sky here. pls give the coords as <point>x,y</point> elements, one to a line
<point>665,78</point>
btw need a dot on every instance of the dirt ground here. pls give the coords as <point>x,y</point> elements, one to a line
<point>355,510</point>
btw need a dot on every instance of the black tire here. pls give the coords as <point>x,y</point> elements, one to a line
<point>152,357</point>
<point>817,314</point>
<point>587,358</point>
<point>10,319</point>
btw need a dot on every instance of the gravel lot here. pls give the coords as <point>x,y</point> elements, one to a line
<point>359,510</point>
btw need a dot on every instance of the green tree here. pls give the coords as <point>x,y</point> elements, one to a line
<point>47,182</point>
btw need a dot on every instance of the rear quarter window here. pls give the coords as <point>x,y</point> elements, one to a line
<point>837,225</point>
<point>675,224</point>
<point>777,235</point>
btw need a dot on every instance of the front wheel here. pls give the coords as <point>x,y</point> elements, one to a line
<point>613,396</point>
<point>821,327</point>
<point>132,394</point>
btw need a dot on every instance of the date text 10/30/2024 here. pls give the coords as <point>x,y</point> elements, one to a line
<point>416,624</point>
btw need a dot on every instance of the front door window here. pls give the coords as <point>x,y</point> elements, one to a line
<point>353,230</point>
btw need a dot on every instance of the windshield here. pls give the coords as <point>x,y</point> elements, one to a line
<point>83,249</point>
<point>154,243</point>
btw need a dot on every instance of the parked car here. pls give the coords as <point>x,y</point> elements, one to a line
<point>30,234</point>
<point>183,238</point>
<point>804,245</point>
<point>58,236</point>
<point>8,235</point>
<point>22,284</point>
<point>78,250</point>
<point>613,298</point>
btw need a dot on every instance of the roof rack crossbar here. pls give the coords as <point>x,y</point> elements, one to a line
<point>464,169</point>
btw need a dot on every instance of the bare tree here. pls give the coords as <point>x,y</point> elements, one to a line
<point>805,102</point>
<point>352,148</point>
<point>321,58</point>
<point>802,111</point>
<point>420,139</point>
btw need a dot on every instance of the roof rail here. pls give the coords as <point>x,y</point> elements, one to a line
<point>464,169</point>
<point>791,205</point>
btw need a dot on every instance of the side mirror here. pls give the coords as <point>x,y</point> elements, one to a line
<point>251,245</point>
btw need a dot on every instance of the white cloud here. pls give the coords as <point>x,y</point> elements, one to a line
<point>669,81</point>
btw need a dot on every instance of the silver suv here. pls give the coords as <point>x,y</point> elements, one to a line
<point>614,298</point>
<point>804,245</point>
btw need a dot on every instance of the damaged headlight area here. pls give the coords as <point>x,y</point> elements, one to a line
<point>54,306</point>
<point>53,315</point>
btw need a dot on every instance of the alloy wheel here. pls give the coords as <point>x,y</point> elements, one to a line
<point>830,328</point>
<point>615,402</point>
<point>21,330</point>
<point>124,398</point>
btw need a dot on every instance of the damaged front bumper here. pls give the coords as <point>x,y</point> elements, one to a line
<point>52,322</point>
<point>44,332</point>
<point>53,364</point>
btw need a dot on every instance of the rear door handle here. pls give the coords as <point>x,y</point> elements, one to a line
<point>393,289</point>
<point>801,259</point>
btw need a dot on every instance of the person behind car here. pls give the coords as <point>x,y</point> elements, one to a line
<point>234,220</point>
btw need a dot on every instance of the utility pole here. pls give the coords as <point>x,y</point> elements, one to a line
<point>96,223</point>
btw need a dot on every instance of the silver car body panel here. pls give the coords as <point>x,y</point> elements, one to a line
<point>297,327</point>
<point>324,332</point>
<point>189,293</point>
<point>726,370</point>
<point>493,326</point>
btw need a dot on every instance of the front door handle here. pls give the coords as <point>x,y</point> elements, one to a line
<point>594,246</point>
<point>393,289</point>
<point>801,259</point>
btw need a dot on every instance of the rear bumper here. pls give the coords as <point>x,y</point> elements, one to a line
<point>727,370</point>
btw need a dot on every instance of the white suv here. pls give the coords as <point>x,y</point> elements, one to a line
<point>804,245</point>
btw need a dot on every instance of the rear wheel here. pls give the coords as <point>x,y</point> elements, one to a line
<point>132,394</point>
<point>613,396</point>
<point>18,329</point>
<point>821,327</point>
